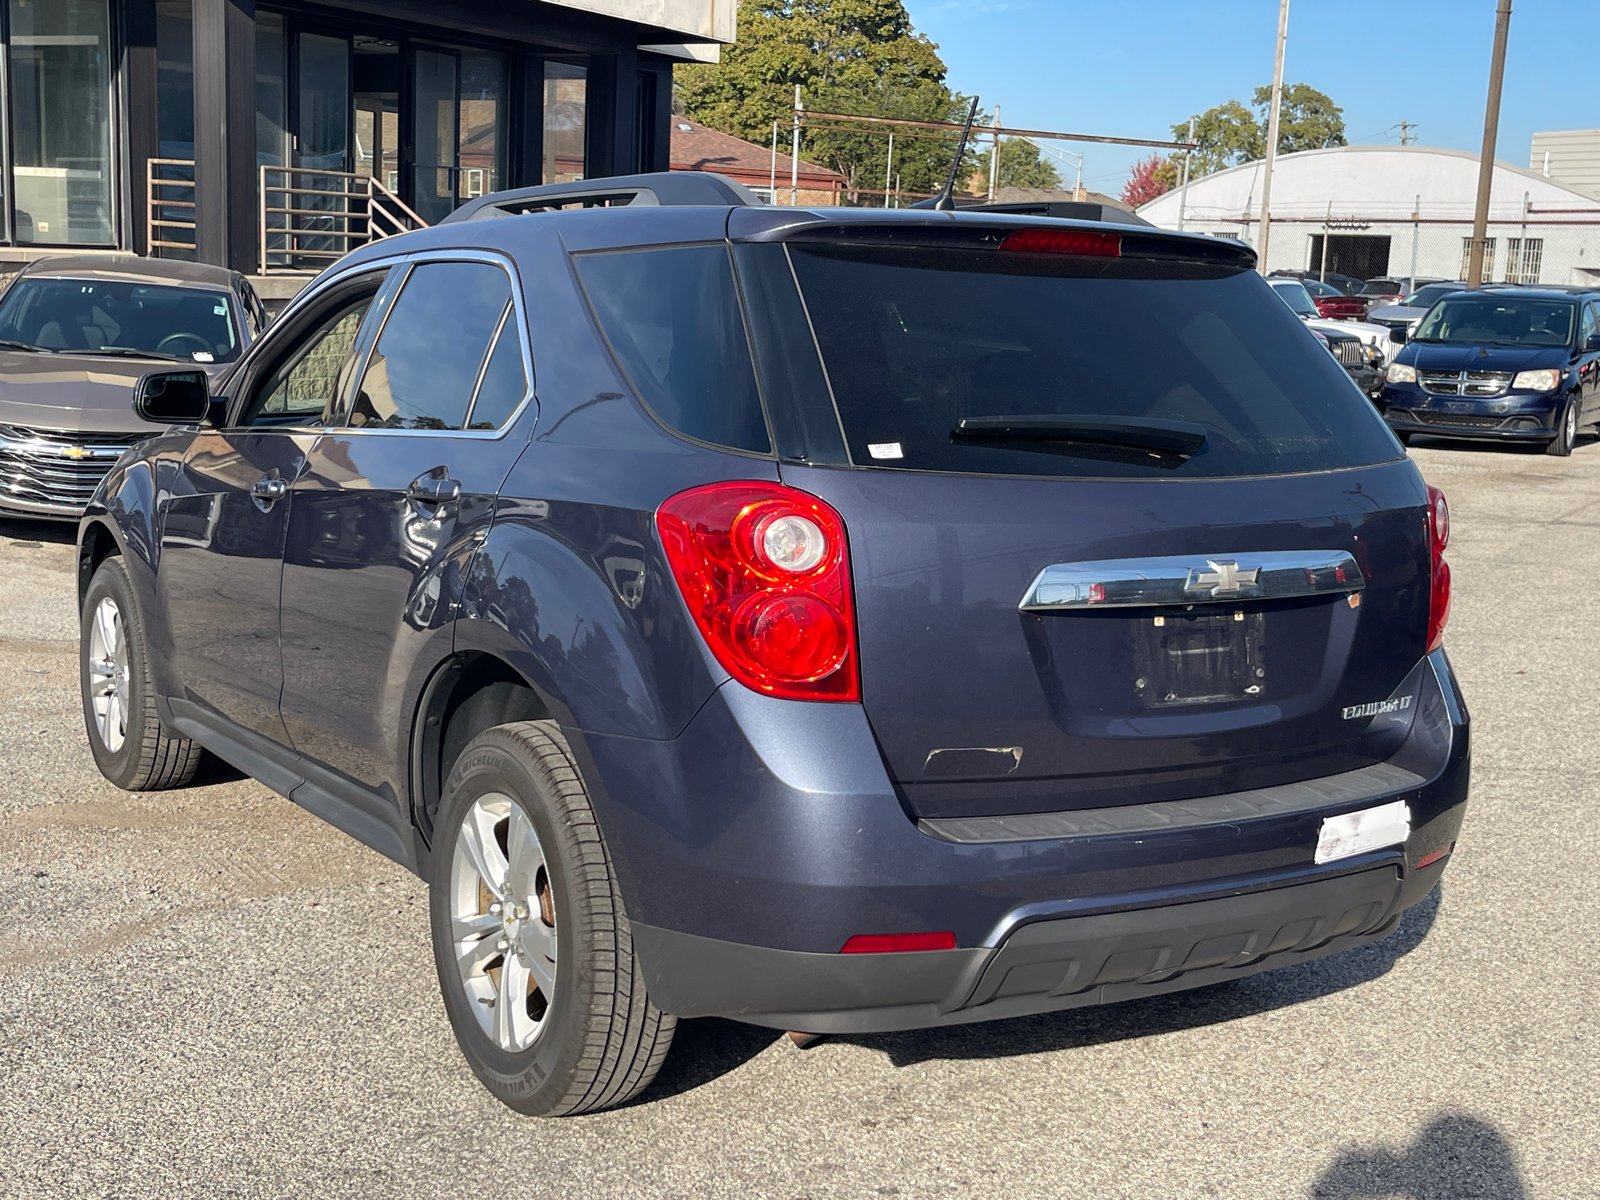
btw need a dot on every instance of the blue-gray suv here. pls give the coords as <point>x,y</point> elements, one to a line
<point>836,620</point>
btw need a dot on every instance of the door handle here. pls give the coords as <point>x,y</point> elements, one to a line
<point>429,489</point>
<point>269,489</point>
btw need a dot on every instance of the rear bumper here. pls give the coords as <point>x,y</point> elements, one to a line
<point>1044,966</point>
<point>752,847</point>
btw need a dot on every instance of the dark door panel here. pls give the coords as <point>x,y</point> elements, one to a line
<point>371,578</point>
<point>221,570</point>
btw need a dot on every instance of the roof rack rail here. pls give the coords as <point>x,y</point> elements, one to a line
<point>1072,210</point>
<point>657,189</point>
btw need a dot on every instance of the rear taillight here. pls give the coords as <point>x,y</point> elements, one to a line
<point>1439,574</point>
<point>1064,241</point>
<point>765,571</point>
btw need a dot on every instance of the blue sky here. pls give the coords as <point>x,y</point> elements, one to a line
<point>1133,68</point>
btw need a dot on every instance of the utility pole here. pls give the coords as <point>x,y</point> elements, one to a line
<point>1183,194</point>
<point>888,173</point>
<point>1491,128</point>
<point>772,186</point>
<point>1272,134</point>
<point>1406,136</point>
<point>1416,231</point>
<point>994,156</point>
<point>1326,222</point>
<point>794,159</point>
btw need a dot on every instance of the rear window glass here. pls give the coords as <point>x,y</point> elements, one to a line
<point>672,318</point>
<point>916,339</point>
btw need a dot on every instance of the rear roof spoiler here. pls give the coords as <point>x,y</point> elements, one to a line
<point>657,189</point>
<point>1072,210</point>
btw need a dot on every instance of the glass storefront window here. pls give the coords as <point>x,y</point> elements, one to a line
<point>377,99</point>
<point>61,121</point>
<point>272,92</point>
<point>324,102</point>
<point>434,134</point>
<point>175,78</point>
<point>566,102</point>
<point>483,124</point>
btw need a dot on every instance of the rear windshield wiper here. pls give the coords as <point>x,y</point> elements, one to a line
<point>1137,433</point>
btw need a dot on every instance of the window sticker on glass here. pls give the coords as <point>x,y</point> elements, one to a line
<point>220,309</point>
<point>885,450</point>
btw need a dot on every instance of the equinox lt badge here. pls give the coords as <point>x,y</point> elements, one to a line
<point>1376,709</point>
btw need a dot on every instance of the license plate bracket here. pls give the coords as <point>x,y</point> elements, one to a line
<point>1189,657</point>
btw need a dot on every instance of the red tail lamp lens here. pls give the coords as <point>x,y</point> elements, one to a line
<point>1427,860</point>
<point>1439,573</point>
<point>1064,241</point>
<point>765,572</point>
<point>890,943</point>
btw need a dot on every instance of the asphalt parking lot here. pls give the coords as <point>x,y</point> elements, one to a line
<point>210,993</point>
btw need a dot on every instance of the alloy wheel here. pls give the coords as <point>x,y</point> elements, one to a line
<point>108,671</point>
<point>503,921</point>
<point>1572,423</point>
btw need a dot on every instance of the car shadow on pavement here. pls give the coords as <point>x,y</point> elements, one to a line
<point>1168,1013</point>
<point>703,1049</point>
<point>1456,1156</point>
<point>61,533</point>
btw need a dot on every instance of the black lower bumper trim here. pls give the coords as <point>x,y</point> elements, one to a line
<point>1042,967</point>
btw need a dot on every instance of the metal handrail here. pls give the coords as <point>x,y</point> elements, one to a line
<point>156,215</point>
<point>365,211</point>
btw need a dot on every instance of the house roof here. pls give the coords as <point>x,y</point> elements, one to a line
<point>698,148</point>
<point>1015,195</point>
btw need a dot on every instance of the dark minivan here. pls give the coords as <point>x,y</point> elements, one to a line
<point>836,620</point>
<point>1511,364</point>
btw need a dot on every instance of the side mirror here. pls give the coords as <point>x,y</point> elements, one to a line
<point>1594,342</point>
<point>173,397</point>
<point>1397,335</point>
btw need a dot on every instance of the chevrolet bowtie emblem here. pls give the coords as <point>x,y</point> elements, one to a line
<point>1225,578</point>
<point>76,453</point>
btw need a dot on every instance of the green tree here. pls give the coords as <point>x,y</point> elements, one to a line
<point>1307,119</point>
<point>1224,136</point>
<point>1021,165</point>
<point>861,57</point>
<point>1230,133</point>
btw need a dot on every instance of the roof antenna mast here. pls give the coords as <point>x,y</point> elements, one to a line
<point>947,198</point>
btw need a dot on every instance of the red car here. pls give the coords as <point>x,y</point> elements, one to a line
<point>1334,304</point>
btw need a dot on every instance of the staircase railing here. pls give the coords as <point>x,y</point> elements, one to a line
<point>311,217</point>
<point>169,207</point>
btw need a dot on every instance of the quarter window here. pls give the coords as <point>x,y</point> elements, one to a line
<point>673,321</point>
<point>426,366</point>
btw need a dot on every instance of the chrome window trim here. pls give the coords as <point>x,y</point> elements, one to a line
<point>1184,580</point>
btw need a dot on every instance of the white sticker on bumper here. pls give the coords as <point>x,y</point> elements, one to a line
<point>1358,832</point>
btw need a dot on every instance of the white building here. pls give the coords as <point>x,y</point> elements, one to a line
<point>1397,211</point>
<point>1569,156</point>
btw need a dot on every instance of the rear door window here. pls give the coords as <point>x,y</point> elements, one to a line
<point>425,368</point>
<point>914,339</point>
